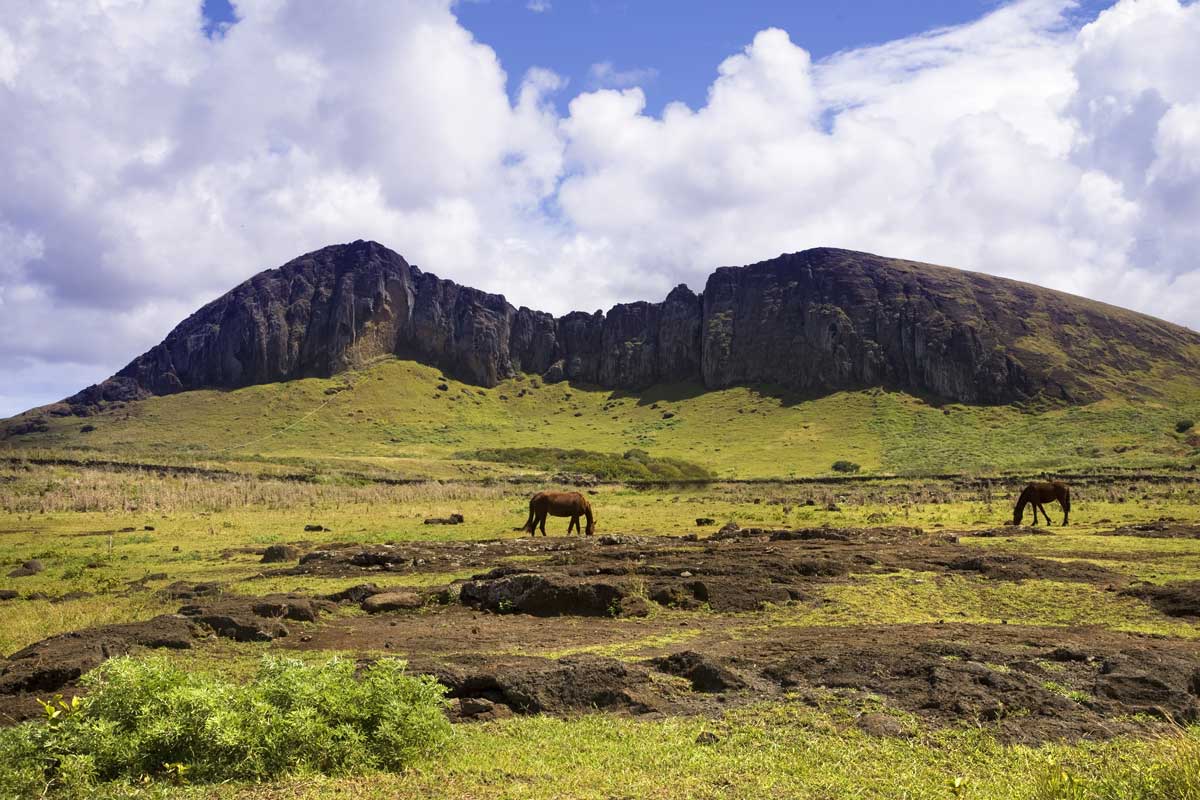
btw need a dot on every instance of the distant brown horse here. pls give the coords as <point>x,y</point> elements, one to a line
<point>1038,493</point>
<point>559,504</point>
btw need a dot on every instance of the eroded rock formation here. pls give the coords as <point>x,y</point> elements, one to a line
<point>818,320</point>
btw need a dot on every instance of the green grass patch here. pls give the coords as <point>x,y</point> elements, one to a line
<point>922,598</point>
<point>394,421</point>
<point>633,465</point>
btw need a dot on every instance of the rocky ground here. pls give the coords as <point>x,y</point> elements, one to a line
<point>685,625</point>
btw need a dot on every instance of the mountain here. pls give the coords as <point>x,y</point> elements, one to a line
<point>815,321</point>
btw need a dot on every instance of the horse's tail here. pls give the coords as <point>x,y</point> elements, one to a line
<point>587,512</point>
<point>532,514</point>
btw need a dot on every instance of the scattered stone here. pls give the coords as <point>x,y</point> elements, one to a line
<point>355,594</point>
<point>53,663</point>
<point>69,596</point>
<point>882,725</point>
<point>480,709</point>
<point>311,528</point>
<point>453,519</point>
<point>705,674</point>
<point>9,594</point>
<point>278,553</point>
<point>705,521</point>
<point>31,567</point>
<point>392,601</point>
<point>183,590</point>
<point>809,534</point>
<point>238,628</point>
<point>545,595</point>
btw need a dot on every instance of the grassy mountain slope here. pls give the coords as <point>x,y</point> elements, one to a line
<point>393,418</point>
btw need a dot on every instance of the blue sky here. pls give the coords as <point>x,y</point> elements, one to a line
<point>157,154</point>
<point>671,48</point>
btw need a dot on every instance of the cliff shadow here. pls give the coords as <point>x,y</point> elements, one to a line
<point>786,396</point>
<point>661,393</point>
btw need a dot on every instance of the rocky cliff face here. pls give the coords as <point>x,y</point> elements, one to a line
<point>819,320</point>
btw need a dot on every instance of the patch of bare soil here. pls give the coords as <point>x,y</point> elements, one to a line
<point>1025,683</point>
<point>1034,684</point>
<point>55,664</point>
<point>1159,529</point>
<point>1180,599</point>
<point>738,570</point>
<point>635,625</point>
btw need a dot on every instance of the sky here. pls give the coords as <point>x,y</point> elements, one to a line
<point>571,155</point>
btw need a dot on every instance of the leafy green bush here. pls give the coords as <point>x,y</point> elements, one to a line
<point>845,466</point>
<point>1184,425</point>
<point>633,465</point>
<point>149,717</point>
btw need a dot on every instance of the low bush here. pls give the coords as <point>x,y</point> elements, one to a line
<point>845,466</point>
<point>149,718</point>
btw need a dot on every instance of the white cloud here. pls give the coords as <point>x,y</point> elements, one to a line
<point>147,168</point>
<point>538,6</point>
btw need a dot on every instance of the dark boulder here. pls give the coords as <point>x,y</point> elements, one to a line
<point>31,567</point>
<point>279,553</point>
<point>53,663</point>
<point>705,674</point>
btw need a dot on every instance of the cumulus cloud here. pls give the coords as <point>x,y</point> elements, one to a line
<point>148,167</point>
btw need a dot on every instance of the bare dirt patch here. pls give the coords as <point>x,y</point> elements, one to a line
<point>1159,529</point>
<point>658,626</point>
<point>55,664</point>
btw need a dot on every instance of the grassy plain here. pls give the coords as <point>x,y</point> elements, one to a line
<point>331,452</point>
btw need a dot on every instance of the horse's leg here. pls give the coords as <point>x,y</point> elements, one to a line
<point>542,521</point>
<point>1044,514</point>
<point>1034,505</point>
<point>573,525</point>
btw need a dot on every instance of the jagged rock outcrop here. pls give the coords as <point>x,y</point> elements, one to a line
<point>818,320</point>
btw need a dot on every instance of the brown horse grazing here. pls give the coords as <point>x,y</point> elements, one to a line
<point>559,504</point>
<point>1038,493</point>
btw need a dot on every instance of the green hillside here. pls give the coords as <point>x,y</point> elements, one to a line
<point>405,419</point>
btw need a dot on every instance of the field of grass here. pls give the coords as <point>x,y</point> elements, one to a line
<point>92,529</point>
<point>393,419</point>
<point>773,751</point>
<point>267,461</point>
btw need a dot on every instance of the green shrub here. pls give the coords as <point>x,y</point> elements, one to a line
<point>845,466</point>
<point>149,717</point>
<point>1184,425</point>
